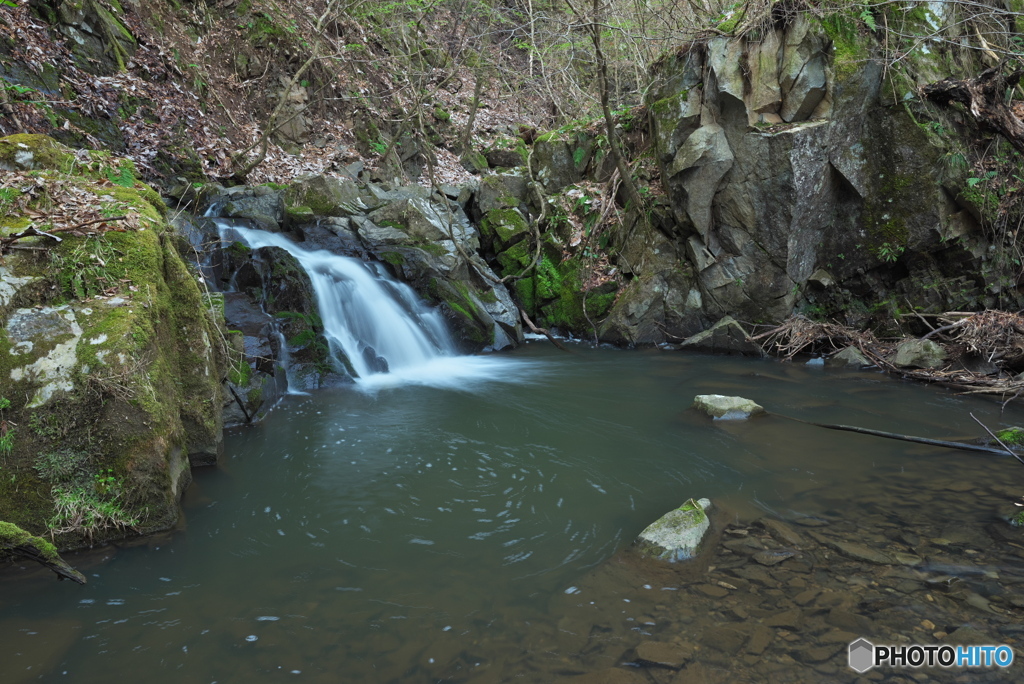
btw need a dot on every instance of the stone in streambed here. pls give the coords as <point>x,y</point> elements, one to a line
<point>720,406</point>
<point>677,535</point>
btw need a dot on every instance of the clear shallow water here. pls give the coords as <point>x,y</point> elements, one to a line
<point>419,534</point>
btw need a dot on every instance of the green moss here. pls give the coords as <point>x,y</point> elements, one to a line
<point>432,248</point>
<point>883,218</point>
<point>505,224</point>
<point>849,49</point>
<point>515,258</point>
<point>441,114</point>
<point>393,258</point>
<point>11,536</point>
<point>1014,436</point>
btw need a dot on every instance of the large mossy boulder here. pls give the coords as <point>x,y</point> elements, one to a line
<point>110,354</point>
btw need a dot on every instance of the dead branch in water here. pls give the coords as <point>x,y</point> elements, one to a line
<point>541,331</point>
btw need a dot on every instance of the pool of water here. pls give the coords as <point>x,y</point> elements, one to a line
<point>420,534</point>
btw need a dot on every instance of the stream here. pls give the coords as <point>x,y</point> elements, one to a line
<point>481,534</point>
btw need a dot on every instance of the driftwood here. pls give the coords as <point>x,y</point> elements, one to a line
<point>541,331</point>
<point>7,243</point>
<point>985,99</point>
<point>905,438</point>
<point>16,541</point>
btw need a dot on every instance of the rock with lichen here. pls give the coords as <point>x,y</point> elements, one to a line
<point>678,534</point>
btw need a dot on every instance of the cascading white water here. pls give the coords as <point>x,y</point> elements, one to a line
<point>387,334</point>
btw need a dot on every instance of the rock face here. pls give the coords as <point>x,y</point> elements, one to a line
<point>110,360</point>
<point>798,176</point>
<point>677,535</point>
<point>727,408</point>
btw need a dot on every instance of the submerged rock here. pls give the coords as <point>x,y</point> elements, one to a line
<point>728,408</point>
<point>677,535</point>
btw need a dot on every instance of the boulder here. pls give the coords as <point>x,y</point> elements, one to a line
<point>262,205</point>
<point>728,408</point>
<point>331,196</point>
<point>851,356</point>
<point>678,534</point>
<point>919,354</point>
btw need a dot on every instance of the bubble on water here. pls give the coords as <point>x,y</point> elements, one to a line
<point>447,628</point>
<point>267,618</point>
<point>647,586</point>
<point>251,637</point>
<point>572,590</point>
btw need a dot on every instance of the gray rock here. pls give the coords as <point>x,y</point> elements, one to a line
<point>678,534</point>
<point>851,357</point>
<point>919,354</point>
<point>262,205</point>
<point>720,406</point>
<point>705,158</point>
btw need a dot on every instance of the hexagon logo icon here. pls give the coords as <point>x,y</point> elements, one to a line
<point>862,655</point>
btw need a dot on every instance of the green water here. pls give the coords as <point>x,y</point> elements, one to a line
<point>423,535</point>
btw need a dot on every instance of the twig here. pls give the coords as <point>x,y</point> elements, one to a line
<point>905,438</point>
<point>1008,449</point>
<point>541,331</point>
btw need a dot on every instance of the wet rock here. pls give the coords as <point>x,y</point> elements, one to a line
<point>678,534</point>
<point>772,557</point>
<point>262,205</point>
<point>781,531</point>
<point>720,406</point>
<point>968,636</point>
<point>850,356</point>
<point>856,550</point>
<point>663,654</point>
<point>818,654</point>
<point>712,590</point>
<point>761,637</point>
<point>790,619</point>
<point>729,640</point>
<point>615,675</point>
<point>850,622</point>
<point>919,354</point>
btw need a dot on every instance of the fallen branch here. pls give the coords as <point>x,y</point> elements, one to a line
<point>541,331</point>
<point>995,437</point>
<point>17,541</point>
<point>6,244</point>
<point>905,438</point>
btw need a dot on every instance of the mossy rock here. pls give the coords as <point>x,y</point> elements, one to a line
<point>116,359</point>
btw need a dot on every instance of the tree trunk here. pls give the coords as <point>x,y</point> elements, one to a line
<point>985,99</point>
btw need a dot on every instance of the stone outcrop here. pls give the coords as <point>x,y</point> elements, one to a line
<point>110,354</point>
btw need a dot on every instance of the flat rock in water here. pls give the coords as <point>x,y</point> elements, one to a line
<point>772,557</point>
<point>856,551</point>
<point>783,532</point>
<point>677,534</point>
<point>662,653</point>
<point>720,406</point>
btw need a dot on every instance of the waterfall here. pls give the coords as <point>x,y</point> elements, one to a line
<point>375,326</point>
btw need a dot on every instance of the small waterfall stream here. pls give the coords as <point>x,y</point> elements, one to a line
<point>376,327</point>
